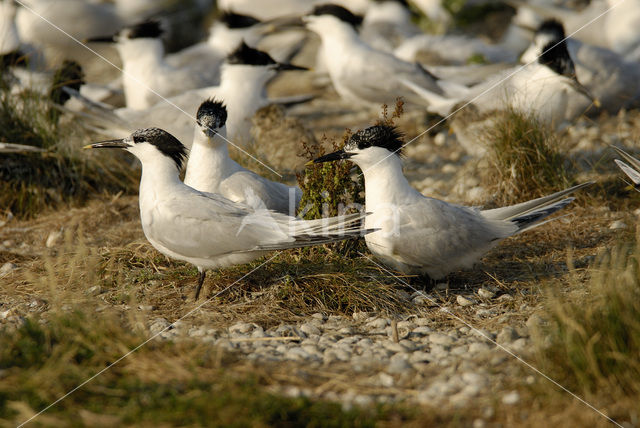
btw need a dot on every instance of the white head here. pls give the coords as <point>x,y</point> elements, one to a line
<point>153,146</point>
<point>369,147</point>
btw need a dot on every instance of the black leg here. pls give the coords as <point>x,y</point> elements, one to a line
<point>201,274</point>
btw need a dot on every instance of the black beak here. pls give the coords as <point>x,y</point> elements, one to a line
<point>103,39</point>
<point>340,154</point>
<point>109,144</point>
<point>285,67</point>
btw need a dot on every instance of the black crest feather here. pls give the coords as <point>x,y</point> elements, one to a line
<point>212,113</point>
<point>556,56</point>
<point>249,56</point>
<point>147,29</point>
<point>339,12</point>
<point>386,136</point>
<point>552,27</point>
<point>236,20</point>
<point>165,142</point>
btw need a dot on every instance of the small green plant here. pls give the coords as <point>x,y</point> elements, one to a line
<point>524,159</point>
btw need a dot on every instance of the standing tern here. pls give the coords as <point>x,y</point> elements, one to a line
<point>211,170</point>
<point>543,88</point>
<point>422,235</point>
<point>206,229</point>
<point>242,85</point>
<point>146,74</point>
<point>607,75</point>
<point>360,73</point>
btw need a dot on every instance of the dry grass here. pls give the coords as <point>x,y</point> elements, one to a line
<point>525,160</point>
<point>61,176</point>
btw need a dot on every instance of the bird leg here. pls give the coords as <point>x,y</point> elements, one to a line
<point>201,274</point>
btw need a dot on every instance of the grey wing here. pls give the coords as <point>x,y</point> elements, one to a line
<point>384,73</point>
<point>440,234</point>
<point>206,226</point>
<point>256,191</point>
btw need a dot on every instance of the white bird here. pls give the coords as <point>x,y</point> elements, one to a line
<point>211,170</point>
<point>359,73</point>
<point>607,75</point>
<point>146,74</point>
<point>274,9</point>
<point>242,86</point>
<point>632,171</point>
<point>542,88</point>
<point>422,235</point>
<point>9,39</point>
<point>206,229</point>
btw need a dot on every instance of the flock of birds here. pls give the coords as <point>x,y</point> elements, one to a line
<point>223,214</point>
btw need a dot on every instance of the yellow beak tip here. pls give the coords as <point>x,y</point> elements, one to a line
<point>309,163</point>
<point>88,146</point>
<point>597,103</point>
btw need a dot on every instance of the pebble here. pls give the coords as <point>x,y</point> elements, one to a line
<point>398,365</point>
<point>7,268</point>
<point>617,225</point>
<point>441,339</point>
<point>464,301</point>
<point>511,398</point>
<point>486,294</point>
<point>94,291</point>
<point>310,329</point>
<point>53,238</point>
<point>507,335</point>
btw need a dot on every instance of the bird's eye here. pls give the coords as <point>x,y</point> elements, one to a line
<point>199,123</point>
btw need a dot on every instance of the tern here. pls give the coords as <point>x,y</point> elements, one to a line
<point>421,235</point>
<point>146,74</point>
<point>542,88</point>
<point>206,229</point>
<point>211,170</point>
<point>606,74</point>
<point>359,73</point>
<point>242,86</point>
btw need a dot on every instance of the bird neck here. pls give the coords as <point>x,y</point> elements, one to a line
<point>385,183</point>
<point>9,40</point>
<point>145,51</point>
<point>225,39</point>
<point>209,162</point>
<point>245,78</point>
<point>160,179</point>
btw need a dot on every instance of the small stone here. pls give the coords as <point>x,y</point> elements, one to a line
<point>310,329</point>
<point>441,339</point>
<point>478,347</point>
<point>146,308</point>
<point>422,330</point>
<point>7,268</point>
<point>505,297</point>
<point>360,316</point>
<point>486,294</point>
<point>241,328</point>
<point>386,380</point>
<point>378,323</point>
<point>464,301</point>
<point>94,291</point>
<point>485,313</point>
<point>393,346</point>
<point>398,365</point>
<point>442,286</point>
<point>618,224</point>
<point>319,316</point>
<point>53,238</point>
<point>511,398</point>
<point>158,325</point>
<point>507,335</point>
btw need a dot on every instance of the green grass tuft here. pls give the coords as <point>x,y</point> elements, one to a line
<point>524,157</point>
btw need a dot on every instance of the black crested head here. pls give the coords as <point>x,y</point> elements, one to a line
<point>246,55</point>
<point>69,75</point>
<point>386,136</point>
<point>402,2</point>
<point>235,20</point>
<point>166,143</point>
<point>552,27</point>
<point>556,56</point>
<point>150,29</point>
<point>339,12</point>
<point>212,114</point>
